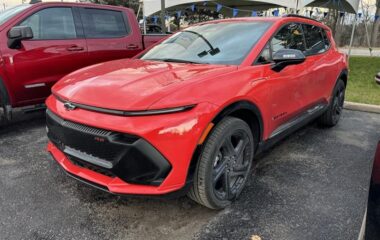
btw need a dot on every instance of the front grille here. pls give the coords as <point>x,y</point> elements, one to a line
<point>99,143</point>
<point>109,153</point>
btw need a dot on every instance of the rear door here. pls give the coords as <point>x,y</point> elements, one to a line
<point>109,35</point>
<point>57,48</point>
<point>320,63</point>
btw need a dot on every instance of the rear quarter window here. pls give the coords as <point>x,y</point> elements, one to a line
<point>315,39</point>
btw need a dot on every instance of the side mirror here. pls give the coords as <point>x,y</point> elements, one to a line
<point>17,34</point>
<point>377,78</point>
<point>285,57</point>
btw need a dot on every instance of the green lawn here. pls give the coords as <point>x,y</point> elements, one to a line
<point>362,87</point>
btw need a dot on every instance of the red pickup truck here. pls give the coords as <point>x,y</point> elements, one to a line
<point>40,43</point>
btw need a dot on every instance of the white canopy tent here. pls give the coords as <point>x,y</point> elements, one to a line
<point>150,7</point>
<point>351,6</point>
<point>153,6</point>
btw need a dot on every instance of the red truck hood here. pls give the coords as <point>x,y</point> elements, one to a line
<point>131,84</point>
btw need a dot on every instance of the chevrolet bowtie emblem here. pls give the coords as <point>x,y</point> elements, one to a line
<point>69,106</point>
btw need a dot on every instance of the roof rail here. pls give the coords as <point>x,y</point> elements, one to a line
<point>299,16</point>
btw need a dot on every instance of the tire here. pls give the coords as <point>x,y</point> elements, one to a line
<point>224,164</point>
<point>334,111</point>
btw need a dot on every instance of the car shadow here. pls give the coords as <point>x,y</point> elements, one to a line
<point>23,121</point>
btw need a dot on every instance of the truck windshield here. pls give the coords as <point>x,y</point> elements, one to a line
<point>225,43</point>
<point>7,14</point>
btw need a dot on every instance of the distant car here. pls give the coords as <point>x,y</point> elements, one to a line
<point>43,42</point>
<point>377,78</point>
<point>195,109</point>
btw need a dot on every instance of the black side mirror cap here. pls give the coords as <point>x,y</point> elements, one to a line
<point>17,34</point>
<point>285,57</point>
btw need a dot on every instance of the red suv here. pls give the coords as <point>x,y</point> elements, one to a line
<point>192,112</point>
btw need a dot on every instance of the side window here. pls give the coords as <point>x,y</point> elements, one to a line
<point>315,43</point>
<point>52,23</point>
<point>289,37</point>
<point>99,23</point>
<point>266,55</point>
<point>326,39</point>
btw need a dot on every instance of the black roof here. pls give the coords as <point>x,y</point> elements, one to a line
<point>299,16</point>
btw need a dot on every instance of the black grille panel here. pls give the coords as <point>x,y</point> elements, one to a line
<point>109,153</point>
<point>103,144</point>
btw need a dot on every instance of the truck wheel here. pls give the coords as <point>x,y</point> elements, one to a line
<point>333,113</point>
<point>224,164</point>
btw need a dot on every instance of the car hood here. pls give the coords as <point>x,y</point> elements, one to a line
<point>132,84</point>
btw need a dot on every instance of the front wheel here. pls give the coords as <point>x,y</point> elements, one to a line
<point>224,164</point>
<point>333,113</point>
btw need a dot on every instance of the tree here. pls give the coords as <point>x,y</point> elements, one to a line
<point>376,25</point>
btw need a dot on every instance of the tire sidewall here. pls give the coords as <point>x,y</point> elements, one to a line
<point>209,156</point>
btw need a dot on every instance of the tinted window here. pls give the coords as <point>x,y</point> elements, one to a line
<point>52,23</point>
<point>213,43</point>
<point>289,37</point>
<point>314,40</point>
<point>326,39</point>
<point>100,23</point>
<point>266,55</point>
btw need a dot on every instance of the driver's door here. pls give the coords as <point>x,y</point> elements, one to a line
<point>286,91</point>
<point>57,48</point>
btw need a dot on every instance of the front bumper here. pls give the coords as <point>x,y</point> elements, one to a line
<point>101,181</point>
<point>161,148</point>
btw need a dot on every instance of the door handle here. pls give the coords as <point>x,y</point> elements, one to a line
<point>132,46</point>
<point>75,48</point>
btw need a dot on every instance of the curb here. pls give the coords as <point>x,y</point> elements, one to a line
<point>361,107</point>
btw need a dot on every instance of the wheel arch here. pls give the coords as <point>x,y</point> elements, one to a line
<point>4,96</point>
<point>344,76</point>
<point>5,103</point>
<point>243,109</point>
<point>248,112</point>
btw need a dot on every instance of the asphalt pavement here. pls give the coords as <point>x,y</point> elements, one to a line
<point>312,185</point>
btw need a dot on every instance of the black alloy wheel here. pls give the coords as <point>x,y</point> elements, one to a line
<point>224,164</point>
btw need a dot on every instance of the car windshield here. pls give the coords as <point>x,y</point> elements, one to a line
<point>224,43</point>
<point>7,14</point>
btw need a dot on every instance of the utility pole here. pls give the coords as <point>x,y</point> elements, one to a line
<point>163,20</point>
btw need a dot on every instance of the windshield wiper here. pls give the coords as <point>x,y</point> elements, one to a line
<point>174,60</point>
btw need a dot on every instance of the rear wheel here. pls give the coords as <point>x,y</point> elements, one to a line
<point>224,164</point>
<point>332,116</point>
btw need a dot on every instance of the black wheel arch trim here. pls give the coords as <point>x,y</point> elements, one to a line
<point>242,105</point>
<point>226,111</point>
<point>344,76</point>
<point>4,95</point>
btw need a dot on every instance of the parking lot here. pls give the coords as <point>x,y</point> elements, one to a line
<point>312,185</point>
